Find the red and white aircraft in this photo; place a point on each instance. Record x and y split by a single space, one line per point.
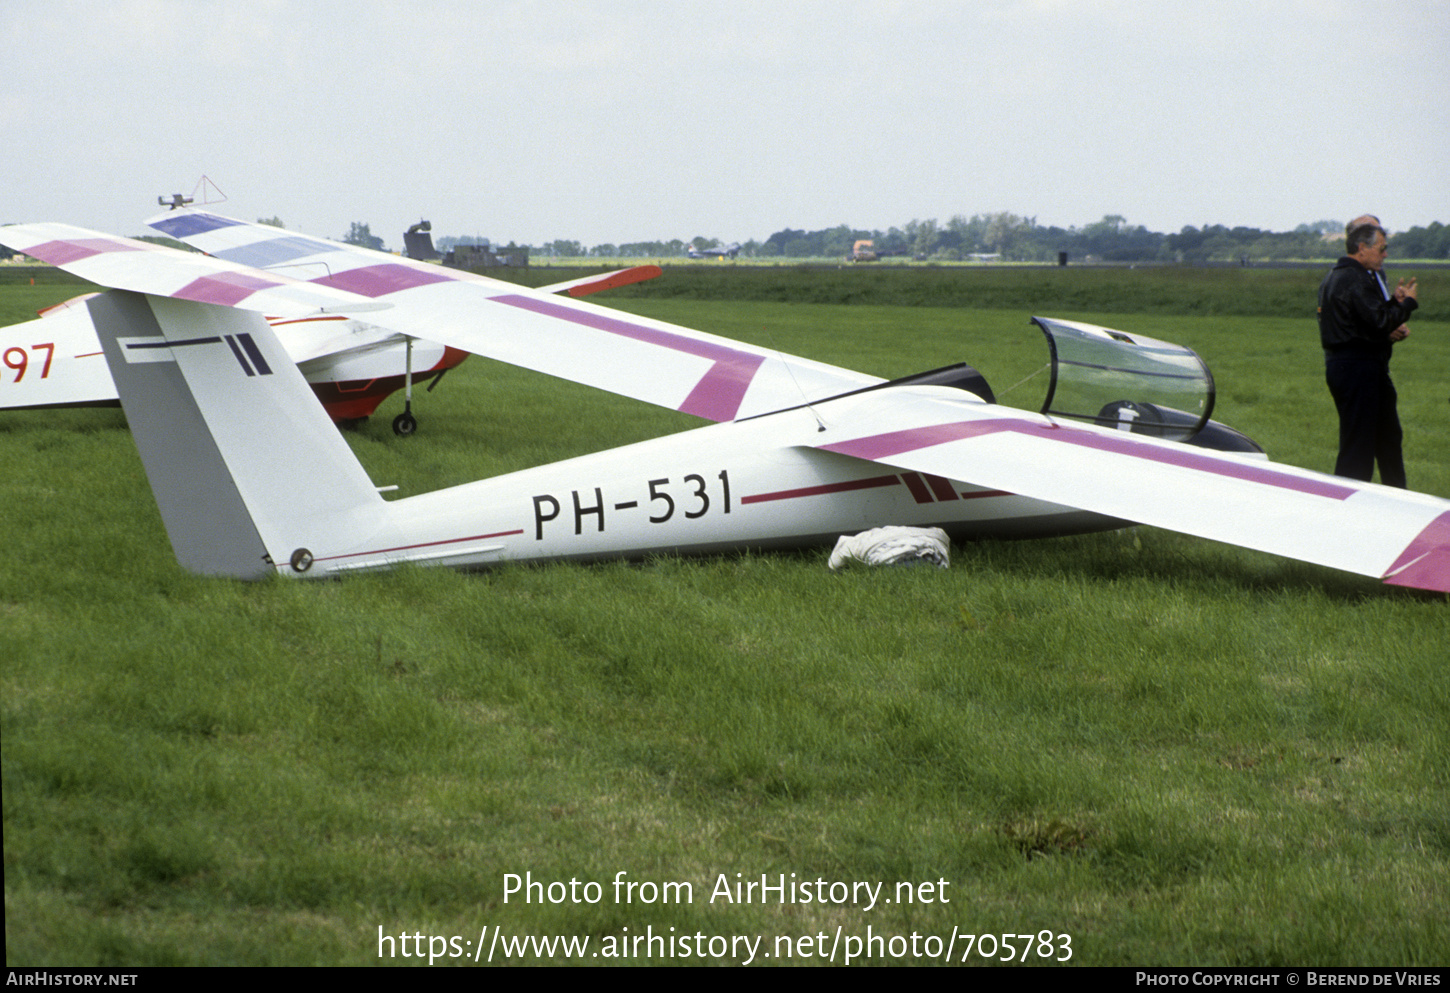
352 366
802 451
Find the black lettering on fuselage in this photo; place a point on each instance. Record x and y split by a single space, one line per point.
579 511
540 517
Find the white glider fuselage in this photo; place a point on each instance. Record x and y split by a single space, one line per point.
714 488
251 477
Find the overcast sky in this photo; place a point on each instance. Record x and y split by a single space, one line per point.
604 121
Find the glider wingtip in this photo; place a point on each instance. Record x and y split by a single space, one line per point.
1425 562
1430 573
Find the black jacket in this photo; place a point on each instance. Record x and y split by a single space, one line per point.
1354 314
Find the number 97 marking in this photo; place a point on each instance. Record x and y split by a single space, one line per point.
18 359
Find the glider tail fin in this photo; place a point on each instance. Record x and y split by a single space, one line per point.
249 473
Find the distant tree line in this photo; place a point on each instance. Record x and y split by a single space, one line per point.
1022 239
1013 238
1112 239
1008 236
1432 242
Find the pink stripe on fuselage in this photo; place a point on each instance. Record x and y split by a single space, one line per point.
823 489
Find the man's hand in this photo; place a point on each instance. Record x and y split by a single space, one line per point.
1400 333
1410 290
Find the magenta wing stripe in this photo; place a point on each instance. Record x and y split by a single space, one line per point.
718 394
62 252
224 288
374 281
1425 562
883 446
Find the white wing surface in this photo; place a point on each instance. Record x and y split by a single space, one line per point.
1397 535
692 371
128 264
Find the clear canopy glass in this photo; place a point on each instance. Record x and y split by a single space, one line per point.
1130 381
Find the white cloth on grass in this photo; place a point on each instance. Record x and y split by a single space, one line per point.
893 546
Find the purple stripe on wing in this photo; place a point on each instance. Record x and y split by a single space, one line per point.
274 251
718 394
185 225
225 288
882 446
380 280
60 253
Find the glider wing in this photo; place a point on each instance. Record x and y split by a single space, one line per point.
128 264
1392 534
699 373
586 285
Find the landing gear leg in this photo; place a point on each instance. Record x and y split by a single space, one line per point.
405 423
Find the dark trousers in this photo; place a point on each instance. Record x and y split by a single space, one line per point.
1369 423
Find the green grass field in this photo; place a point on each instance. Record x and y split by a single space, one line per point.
1165 290
1137 747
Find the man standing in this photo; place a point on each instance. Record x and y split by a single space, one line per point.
1359 322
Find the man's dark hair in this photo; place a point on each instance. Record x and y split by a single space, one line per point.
1362 237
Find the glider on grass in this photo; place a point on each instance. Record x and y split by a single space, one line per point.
252 479
352 366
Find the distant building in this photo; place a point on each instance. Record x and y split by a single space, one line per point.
486 257
419 242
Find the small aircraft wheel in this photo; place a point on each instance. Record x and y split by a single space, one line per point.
404 424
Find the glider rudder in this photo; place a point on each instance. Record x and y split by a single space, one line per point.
250 475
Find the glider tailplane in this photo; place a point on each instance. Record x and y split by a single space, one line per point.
249 473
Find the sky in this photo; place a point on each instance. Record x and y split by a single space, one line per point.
608 122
